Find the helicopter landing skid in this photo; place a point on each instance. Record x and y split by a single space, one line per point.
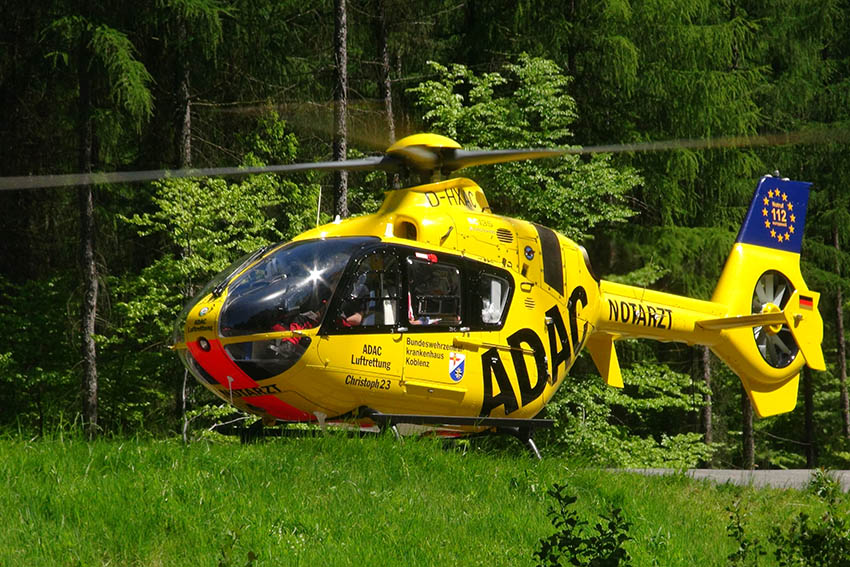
521 429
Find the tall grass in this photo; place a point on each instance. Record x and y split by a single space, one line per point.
335 500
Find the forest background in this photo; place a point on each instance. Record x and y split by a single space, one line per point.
104 86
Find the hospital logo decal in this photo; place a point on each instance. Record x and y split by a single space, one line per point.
778 215
457 363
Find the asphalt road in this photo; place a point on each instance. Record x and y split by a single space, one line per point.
798 478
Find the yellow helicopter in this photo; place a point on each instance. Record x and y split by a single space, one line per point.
435 311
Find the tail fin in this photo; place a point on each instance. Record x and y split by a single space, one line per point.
772 326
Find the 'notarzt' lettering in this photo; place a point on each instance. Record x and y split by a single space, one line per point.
639 314
258 391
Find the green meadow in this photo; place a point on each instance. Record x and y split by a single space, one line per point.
337 500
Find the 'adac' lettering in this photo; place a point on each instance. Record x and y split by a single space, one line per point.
579 295
372 349
559 342
528 393
492 365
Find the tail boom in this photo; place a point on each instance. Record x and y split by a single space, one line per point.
762 320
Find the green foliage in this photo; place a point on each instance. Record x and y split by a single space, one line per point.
748 551
38 381
227 559
824 485
201 226
824 541
527 106
641 426
575 543
128 78
804 541
205 18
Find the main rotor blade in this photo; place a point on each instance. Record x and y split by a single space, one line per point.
387 163
816 136
467 158
425 159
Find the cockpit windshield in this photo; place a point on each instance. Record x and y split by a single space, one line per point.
288 289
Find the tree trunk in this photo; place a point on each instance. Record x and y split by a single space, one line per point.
842 347
184 102
88 267
384 84
747 442
809 417
340 106
706 406
184 159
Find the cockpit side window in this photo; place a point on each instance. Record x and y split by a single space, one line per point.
434 292
493 298
370 297
490 298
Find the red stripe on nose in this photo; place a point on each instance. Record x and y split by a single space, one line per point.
220 366
278 409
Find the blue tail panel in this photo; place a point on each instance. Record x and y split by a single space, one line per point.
777 215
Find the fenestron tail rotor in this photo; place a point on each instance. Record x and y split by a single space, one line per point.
775 342
427 155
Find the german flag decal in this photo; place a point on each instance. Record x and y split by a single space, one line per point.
806 302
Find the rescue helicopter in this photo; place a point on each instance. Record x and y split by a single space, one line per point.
437 312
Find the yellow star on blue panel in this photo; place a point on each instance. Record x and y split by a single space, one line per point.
791 229
770 193
790 206
766 201
784 196
773 234
764 212
767 224
793 218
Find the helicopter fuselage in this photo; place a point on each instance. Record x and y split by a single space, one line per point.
434 306
509 307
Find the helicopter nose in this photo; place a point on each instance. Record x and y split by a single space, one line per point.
214 368
217 366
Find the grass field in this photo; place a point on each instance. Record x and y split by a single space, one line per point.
336 500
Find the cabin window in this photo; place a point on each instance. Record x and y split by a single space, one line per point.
434 292
370 298
492 298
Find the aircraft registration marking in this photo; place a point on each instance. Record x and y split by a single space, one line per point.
452 196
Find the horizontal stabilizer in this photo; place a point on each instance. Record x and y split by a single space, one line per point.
800 315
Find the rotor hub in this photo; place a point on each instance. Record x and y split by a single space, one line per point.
768 308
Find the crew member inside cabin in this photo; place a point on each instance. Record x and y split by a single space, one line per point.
371 297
